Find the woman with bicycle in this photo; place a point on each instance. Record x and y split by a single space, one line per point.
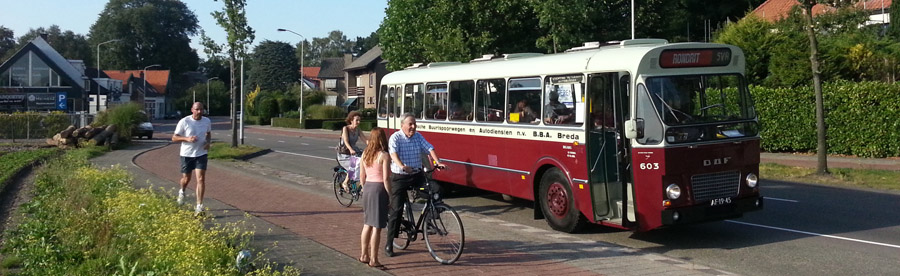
349 135
375 172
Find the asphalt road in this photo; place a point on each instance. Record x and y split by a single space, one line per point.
803 229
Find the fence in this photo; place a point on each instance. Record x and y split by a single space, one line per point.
19 127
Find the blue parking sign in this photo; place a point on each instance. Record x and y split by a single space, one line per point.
61 101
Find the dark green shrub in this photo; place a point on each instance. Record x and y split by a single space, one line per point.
291 114
862 118
286 122
367 113
324 112
251 120
125 117
333 124
286 104
267 108
367 125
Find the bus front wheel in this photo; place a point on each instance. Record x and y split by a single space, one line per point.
558 202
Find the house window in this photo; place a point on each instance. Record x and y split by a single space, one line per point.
359 80
371 80
330 83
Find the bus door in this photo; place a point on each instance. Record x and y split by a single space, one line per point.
607 165
389 107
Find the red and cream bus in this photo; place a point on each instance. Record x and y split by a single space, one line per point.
637 134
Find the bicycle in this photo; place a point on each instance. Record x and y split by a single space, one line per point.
345 197
438 223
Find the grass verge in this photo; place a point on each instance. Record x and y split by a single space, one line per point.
85 220
853 178
219 150
12 162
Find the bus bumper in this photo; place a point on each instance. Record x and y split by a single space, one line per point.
696 214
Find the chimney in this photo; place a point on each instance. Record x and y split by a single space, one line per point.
44 36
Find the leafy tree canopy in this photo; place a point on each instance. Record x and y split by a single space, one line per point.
7 42
274 66
151 32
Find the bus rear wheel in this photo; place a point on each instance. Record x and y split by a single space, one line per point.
558 202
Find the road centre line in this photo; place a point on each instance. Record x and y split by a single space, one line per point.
815 234
304 155
781 199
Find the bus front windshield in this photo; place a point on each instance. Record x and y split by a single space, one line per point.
699 99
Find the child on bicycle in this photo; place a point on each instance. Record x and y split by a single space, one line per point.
375 173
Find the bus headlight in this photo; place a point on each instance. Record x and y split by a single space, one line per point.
752 180
673 191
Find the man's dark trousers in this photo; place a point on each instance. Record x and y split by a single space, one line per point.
399 184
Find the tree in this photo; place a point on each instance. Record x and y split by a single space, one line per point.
233 18
753 35
894 28
7 42
364 44
822 148
274 66
151 32
69 44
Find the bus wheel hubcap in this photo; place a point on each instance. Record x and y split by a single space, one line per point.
557 199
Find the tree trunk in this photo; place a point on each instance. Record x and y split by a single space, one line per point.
822 148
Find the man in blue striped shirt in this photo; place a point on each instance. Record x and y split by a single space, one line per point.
406 148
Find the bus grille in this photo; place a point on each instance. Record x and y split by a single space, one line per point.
715 185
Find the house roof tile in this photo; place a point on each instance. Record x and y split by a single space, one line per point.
365 60
159 79
774 10
332 68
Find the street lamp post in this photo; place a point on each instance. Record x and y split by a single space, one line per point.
301 70
98 71
208 107
144 92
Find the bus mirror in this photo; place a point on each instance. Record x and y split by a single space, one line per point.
634 129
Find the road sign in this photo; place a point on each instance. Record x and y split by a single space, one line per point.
61 101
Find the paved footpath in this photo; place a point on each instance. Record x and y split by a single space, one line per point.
312 232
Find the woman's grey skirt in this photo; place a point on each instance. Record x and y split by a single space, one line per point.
375 202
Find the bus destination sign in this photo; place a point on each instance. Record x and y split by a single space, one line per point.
682 58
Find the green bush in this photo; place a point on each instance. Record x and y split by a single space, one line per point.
291 114
368 125
22 125
333 124
367 113
89 221
286 104
251 120
324 112
286 122
125 117
267 108
862 118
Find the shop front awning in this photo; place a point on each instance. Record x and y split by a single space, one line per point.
349 102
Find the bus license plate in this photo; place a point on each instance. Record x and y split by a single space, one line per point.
720 201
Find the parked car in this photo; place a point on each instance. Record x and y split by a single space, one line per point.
144 129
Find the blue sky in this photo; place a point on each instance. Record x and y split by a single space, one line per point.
310 18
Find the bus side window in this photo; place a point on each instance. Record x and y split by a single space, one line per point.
564 101
461 93
412 99
383 102
524 99
489 100
436 101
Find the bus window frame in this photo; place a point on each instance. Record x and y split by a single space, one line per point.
441 97
418 96
486 84
574 110
509 91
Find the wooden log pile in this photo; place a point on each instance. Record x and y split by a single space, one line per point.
75 137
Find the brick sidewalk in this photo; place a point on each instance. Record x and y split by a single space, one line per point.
304 208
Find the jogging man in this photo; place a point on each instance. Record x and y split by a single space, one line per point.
194 134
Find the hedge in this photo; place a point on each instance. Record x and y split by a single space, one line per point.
862 118
286 122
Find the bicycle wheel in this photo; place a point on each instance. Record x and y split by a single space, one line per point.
444 234
344 197
407 231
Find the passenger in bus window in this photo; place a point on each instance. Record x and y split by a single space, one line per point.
556 112
526 114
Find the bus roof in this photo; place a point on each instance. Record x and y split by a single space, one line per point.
624 56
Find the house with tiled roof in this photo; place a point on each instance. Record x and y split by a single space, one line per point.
774 10
150 89
310 77
363 77
38 78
